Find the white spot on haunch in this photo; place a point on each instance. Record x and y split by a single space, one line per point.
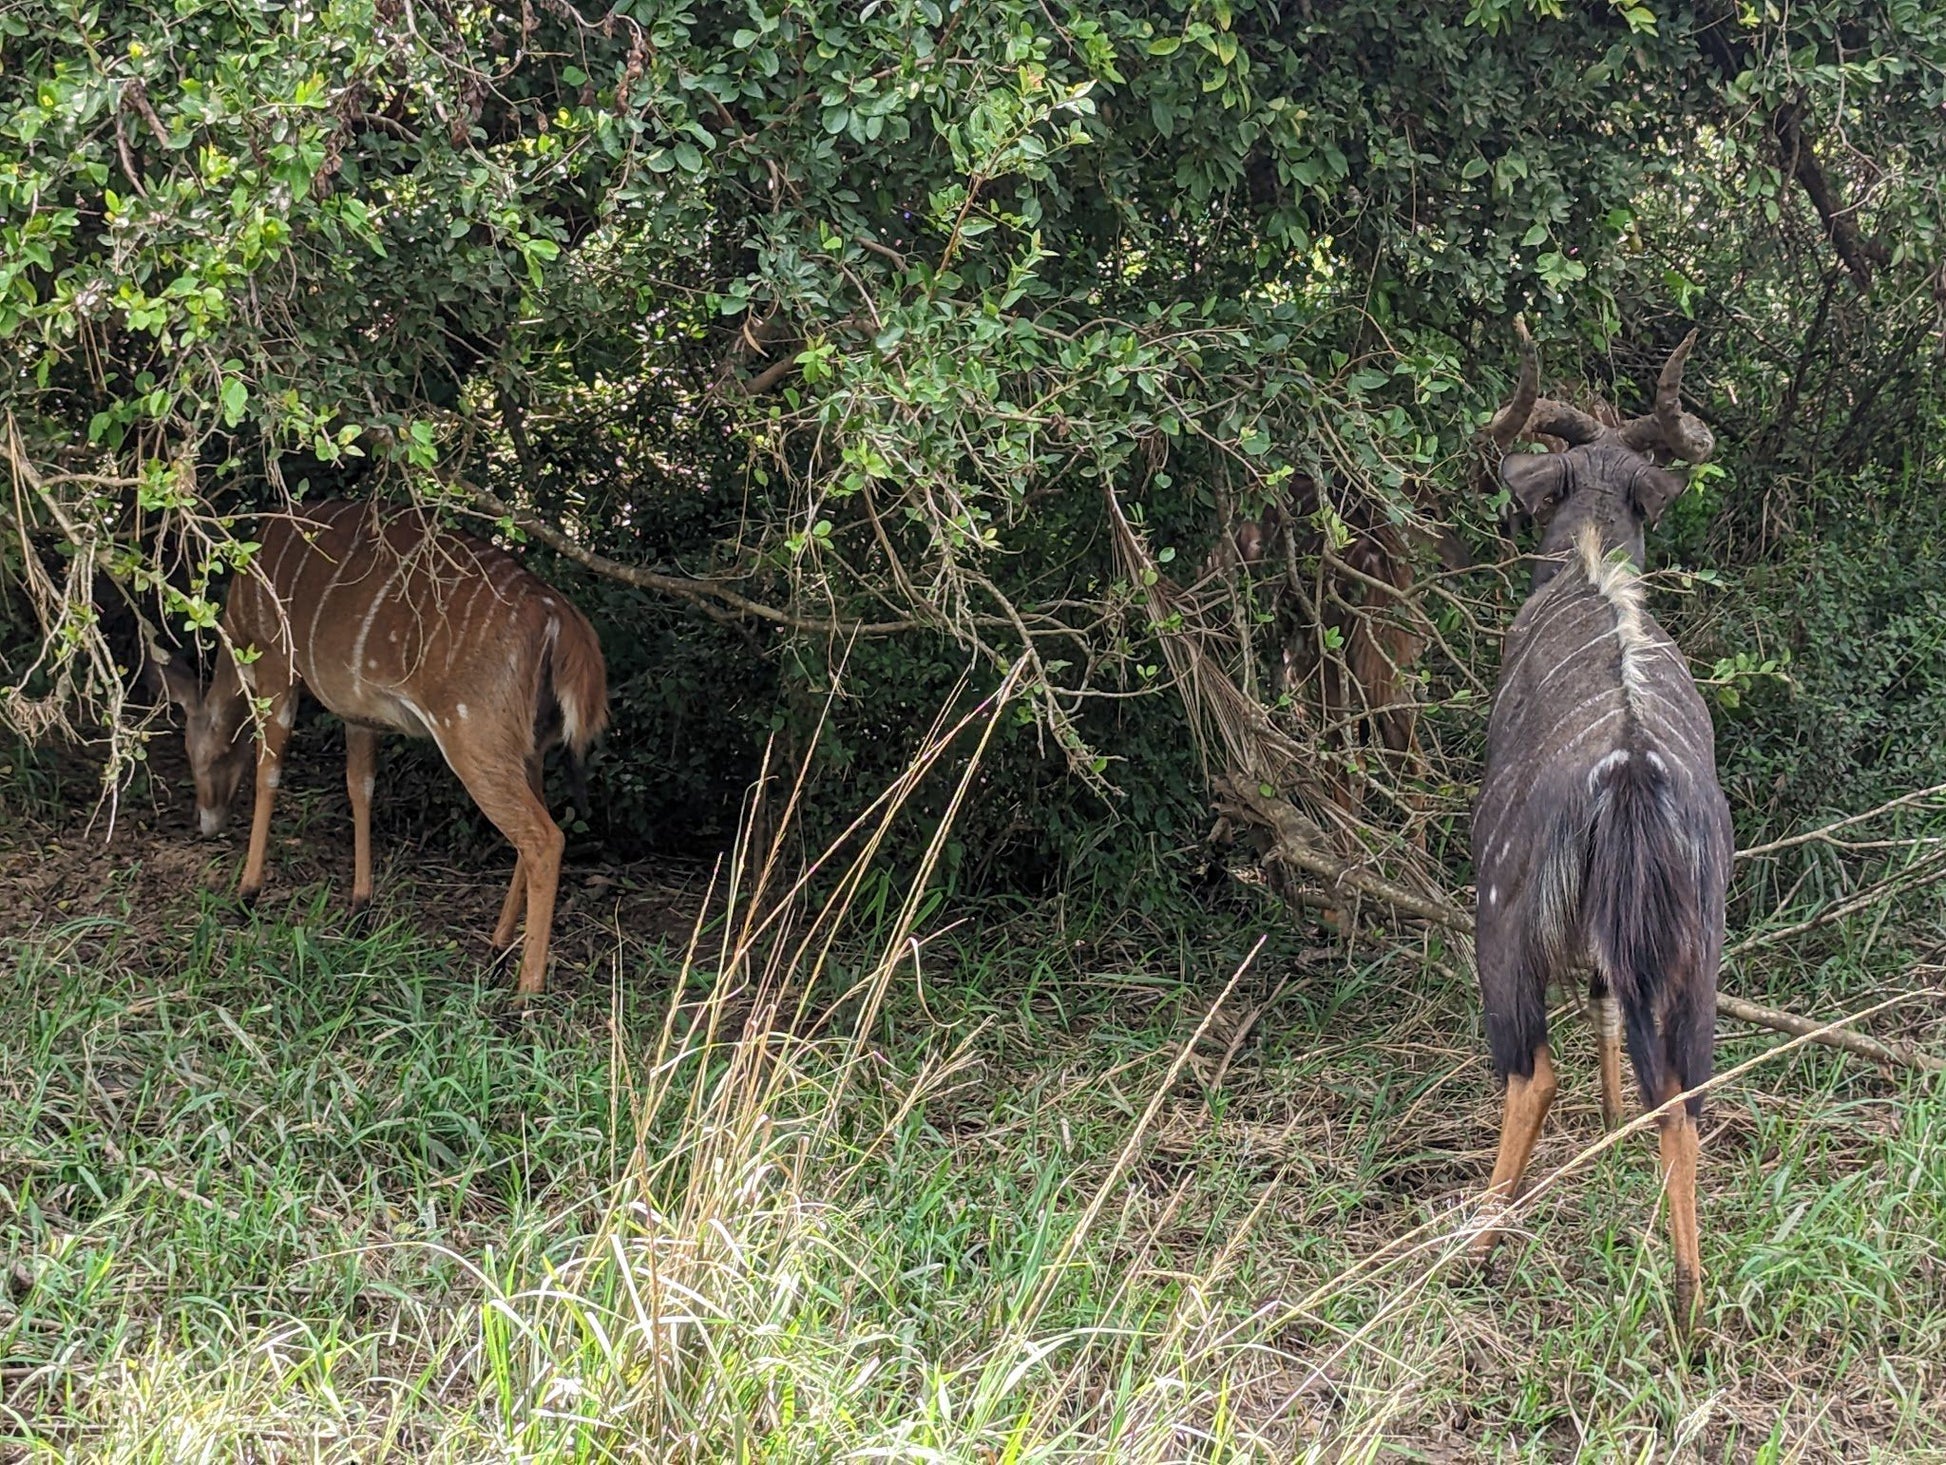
208 821
1493 896
286 713
273 777
462 712
1609 761
368 783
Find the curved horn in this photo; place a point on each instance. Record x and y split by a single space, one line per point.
1667 423
1511 420
1570 424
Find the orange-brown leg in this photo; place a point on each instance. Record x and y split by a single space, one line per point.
270 773
1608 1032
516 901
506 795
512 906
1520 1127
361 775
1679 1155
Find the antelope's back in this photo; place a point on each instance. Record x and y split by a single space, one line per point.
1589 680
392 620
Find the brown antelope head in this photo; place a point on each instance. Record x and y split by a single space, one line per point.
1611 478
217 732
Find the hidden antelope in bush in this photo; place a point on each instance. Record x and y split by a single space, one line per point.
1602 841
397 625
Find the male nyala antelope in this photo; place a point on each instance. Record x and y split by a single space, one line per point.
397 625
1602 841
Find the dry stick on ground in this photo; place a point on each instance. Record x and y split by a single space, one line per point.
1293 849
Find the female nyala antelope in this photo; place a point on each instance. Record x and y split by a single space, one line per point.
398 625
1602 841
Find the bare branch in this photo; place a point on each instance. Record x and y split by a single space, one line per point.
1859 254
712 597
1294 848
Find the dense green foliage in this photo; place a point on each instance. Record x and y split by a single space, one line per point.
883 312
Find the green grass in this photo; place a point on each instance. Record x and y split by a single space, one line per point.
860 1179
270 1192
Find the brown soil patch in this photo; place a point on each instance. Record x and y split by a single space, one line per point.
141 861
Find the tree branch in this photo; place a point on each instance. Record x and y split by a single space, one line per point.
772 374
1859 253
708 595
1291 847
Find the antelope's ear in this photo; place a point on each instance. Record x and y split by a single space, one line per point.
1535 479
173 680
1654 489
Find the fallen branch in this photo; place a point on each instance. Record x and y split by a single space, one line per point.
1902 1055
1293 849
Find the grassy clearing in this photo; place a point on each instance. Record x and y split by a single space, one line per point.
271 1190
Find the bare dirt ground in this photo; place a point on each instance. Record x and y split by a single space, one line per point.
142 861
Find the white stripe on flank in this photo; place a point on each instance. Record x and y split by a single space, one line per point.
371 615
309 668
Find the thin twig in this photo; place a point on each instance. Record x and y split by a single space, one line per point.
1824 832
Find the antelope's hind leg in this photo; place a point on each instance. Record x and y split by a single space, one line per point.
1527 1101
361 776
1513 989
1680 1147
505 928
518 811
1605 1012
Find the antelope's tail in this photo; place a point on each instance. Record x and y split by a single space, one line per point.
1651 921
575 678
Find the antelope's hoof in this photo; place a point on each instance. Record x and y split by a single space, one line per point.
1482 1254
247 896
358 920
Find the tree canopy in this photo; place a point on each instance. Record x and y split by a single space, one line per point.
873 344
